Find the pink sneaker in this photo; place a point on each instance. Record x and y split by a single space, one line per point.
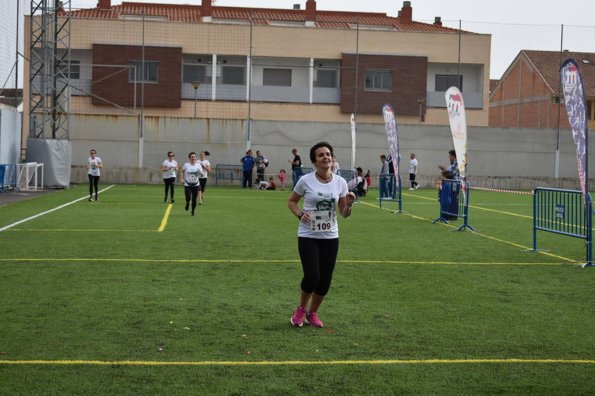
298 317
312 319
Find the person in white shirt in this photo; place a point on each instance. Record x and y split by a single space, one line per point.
94 166
413 172
190 173
325 194
169 167
336 166
206 168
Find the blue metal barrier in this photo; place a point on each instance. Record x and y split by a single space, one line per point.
563 212
299 172
347 174
454 202
228 172
389 189
8 177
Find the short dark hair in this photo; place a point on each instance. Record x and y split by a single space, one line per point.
190 155
453 153
316 147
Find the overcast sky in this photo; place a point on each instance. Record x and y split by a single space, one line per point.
514 24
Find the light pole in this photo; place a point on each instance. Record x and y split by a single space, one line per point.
195 85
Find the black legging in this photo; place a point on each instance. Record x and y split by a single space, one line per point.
93 183
169 183
191 192
318 263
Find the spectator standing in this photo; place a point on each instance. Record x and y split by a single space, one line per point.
261 164
336 166
247 166
282 175
296 166
413 172
94 165
384 177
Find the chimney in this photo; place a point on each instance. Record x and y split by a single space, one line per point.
206 10
296 6
437 21
406 13
104 4
310 12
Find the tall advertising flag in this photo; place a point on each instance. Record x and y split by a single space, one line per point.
392 133
572 86
458 126
352 141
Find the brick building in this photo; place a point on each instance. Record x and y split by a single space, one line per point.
527 94
305 59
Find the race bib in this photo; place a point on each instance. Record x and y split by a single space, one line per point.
321 220
192 179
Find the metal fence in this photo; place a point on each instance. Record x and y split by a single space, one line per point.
228 172
8 177
454 202
563 212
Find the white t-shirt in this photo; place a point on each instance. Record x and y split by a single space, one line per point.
321 202
94 169
204 163
171 167
191 174
413 166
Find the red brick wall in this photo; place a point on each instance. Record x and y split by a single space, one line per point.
528 101
409 74
112 83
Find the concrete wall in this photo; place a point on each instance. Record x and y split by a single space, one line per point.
10 135
498 157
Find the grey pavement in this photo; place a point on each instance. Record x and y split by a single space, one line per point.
8 197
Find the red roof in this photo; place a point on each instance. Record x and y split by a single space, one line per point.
547 65
193 14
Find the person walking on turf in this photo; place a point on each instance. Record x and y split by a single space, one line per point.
169 167
324 195
190 174
413 172
94 165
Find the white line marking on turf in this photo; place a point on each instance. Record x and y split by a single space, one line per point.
49 211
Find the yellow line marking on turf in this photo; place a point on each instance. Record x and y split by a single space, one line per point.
295 362
501 211
477 207
267 261
165 217
523 247
77 230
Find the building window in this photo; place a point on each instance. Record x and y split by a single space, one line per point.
276 77
445 81
233 75
151 71
379 80
73 72
326 79
194 73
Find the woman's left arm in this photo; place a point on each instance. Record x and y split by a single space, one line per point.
345 204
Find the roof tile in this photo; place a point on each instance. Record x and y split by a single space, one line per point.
324 19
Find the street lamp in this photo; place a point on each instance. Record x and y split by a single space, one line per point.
195 85
421 102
